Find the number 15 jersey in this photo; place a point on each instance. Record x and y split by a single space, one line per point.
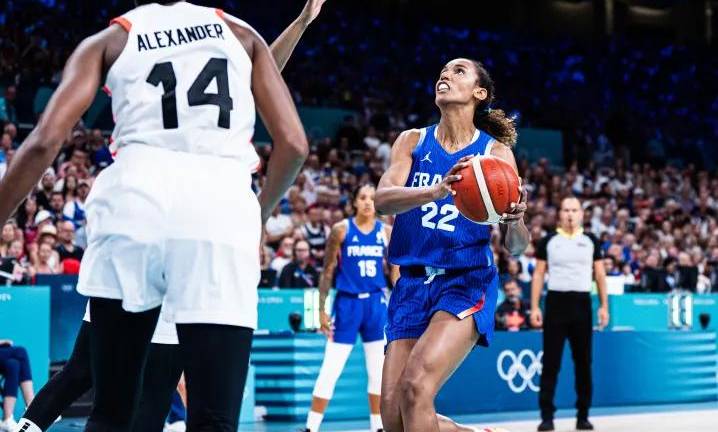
183 83
436 234
361 266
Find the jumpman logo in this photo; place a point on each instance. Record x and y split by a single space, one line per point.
427 158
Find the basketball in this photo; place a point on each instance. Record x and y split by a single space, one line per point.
486 190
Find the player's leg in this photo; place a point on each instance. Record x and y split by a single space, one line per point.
374 357
347 320
437 353
26 387
372 333
162 372
397 354
335 357
10 370
554 338
580 334
215 359
119 344
65 387
18 364
407 318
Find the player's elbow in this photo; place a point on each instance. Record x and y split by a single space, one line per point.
381 203
44 139
295 145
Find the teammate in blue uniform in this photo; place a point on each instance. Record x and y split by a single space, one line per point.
358 245
443 304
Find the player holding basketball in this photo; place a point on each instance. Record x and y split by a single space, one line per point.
443 304
163 367
166 220
356 249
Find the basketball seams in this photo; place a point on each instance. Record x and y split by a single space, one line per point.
493 217
468 192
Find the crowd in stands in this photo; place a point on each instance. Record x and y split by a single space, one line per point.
650 99
623 107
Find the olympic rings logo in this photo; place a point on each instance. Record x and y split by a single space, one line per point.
526 366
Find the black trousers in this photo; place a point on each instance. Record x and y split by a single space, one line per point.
215 359
161 375
567 315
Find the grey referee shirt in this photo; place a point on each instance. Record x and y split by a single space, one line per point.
569 259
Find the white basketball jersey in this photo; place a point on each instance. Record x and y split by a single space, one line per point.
183 83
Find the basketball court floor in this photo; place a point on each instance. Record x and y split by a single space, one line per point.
655 418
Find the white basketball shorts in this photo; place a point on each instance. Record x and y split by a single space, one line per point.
175 227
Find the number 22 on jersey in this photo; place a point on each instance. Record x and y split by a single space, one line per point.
215 69
448 211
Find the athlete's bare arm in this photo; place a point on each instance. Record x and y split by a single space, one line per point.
80 80
279 114
516 235
392 197
284 45
537 282
331 258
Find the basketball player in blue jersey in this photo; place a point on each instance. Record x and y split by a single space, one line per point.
443 303
357 245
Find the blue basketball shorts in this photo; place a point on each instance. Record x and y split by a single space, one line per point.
363 314
465 293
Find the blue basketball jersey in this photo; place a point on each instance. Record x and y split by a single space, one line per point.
436 234
361 268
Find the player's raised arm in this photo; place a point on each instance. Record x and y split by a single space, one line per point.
80 81
284 45
277 110
516 235
393 196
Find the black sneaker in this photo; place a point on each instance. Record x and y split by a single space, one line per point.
583 425
546 425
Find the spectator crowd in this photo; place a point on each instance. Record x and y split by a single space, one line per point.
657 222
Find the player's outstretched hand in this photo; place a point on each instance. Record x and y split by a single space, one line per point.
325 324
311 11
517 211
443 189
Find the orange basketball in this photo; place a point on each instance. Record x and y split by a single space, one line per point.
486 190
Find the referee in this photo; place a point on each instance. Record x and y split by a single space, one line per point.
572 258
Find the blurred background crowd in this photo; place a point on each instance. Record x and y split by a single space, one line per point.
638 118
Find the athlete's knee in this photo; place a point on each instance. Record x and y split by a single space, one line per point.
415 386
389 405
335 356
374 353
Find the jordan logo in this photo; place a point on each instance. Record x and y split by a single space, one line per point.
427 158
